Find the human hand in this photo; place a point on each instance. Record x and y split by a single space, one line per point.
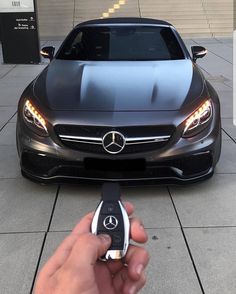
75 269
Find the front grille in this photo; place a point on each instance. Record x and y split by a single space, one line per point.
138 138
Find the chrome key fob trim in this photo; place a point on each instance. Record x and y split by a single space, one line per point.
111 218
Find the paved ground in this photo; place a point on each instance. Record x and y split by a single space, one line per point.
192 230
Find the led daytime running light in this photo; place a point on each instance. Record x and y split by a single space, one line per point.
197 114
35 114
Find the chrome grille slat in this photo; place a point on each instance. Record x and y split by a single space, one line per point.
146 140
129 141
80 139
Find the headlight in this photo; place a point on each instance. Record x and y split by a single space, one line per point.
34 119
198 120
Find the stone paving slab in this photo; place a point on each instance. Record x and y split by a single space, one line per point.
216 65
53 240
229 127
205 41
225 136
28 71
5 69
227 41
226 103
213 250
11 90
153 206
227 162
19 258
5 114
9 167
13 119
219 84
25 206
170 269
229 83
73 203
8 135
207 204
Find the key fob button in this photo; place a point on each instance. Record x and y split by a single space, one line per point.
110 208
117 239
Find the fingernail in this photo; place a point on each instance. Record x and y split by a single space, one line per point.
105 237
132 290
139 269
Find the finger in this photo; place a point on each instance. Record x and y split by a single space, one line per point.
129 207
114 266
85 252
137 259
84 226
63 251
119 279
132 287
60 255
137 231
124 284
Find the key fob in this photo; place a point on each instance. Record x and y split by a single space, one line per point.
111 218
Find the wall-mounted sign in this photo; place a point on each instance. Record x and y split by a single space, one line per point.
19 31
16 6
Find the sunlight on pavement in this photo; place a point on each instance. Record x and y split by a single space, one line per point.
113 9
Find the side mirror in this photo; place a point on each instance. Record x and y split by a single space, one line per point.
48 52
198 52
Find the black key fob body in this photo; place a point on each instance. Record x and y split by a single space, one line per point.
111 218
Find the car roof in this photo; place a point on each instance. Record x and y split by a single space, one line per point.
124 20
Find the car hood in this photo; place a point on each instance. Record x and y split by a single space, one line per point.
118 85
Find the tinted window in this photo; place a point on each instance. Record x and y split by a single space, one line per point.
121 43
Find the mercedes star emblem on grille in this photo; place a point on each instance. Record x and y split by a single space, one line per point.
110 222
113 142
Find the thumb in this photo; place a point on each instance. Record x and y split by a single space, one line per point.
87 249
103 246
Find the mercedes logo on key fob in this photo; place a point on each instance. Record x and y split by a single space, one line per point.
110 222
111 218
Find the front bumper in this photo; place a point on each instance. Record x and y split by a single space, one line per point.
45 169
185 161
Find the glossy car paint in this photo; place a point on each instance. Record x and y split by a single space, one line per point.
117 95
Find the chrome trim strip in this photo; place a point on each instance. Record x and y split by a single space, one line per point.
80 141
129 141
80 138
143 140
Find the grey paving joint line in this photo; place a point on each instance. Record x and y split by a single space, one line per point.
44 239
186 243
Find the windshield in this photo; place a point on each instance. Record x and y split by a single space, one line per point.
105 43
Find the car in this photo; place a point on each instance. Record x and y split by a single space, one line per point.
121 100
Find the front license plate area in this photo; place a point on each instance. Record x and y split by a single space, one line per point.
114 165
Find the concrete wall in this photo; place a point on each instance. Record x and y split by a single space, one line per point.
191 17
